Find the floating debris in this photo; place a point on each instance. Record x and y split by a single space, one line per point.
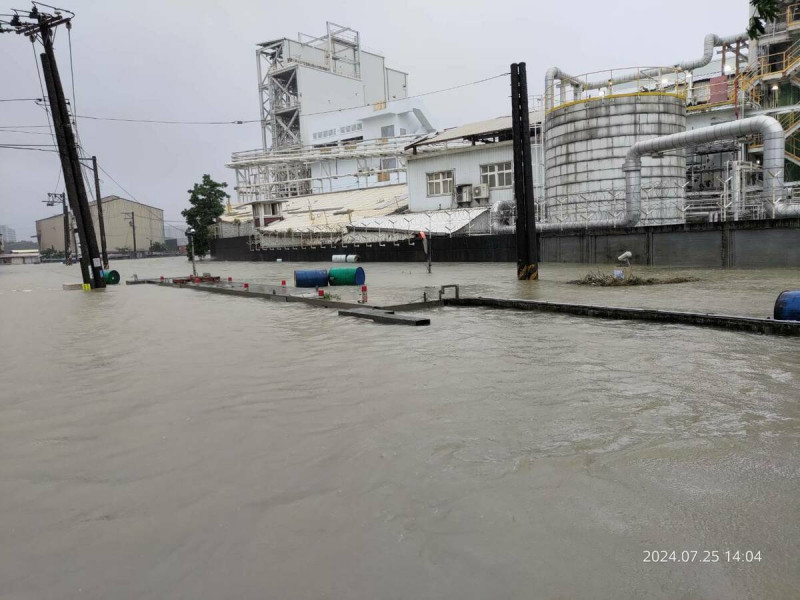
601 279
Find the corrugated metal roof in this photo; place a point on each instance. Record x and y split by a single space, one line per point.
335 210
434 221
475 129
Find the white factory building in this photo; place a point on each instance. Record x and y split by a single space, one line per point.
469 166
334 116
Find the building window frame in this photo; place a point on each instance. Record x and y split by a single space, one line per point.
499 175
440 183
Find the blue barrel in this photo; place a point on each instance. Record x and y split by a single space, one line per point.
787 306
311 278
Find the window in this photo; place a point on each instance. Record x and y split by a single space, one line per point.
497 175
403 131
440 184
388 163
387 131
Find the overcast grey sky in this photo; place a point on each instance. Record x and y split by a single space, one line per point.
194 60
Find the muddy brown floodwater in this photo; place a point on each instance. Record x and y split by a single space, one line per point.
163 444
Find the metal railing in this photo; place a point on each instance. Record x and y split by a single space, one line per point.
626 81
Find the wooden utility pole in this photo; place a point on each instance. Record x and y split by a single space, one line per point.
527 244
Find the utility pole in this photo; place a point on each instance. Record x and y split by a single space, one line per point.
133 224
41 26
100 221
527 244
52 198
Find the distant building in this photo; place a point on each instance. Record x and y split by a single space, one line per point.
9 235
21 257
149 222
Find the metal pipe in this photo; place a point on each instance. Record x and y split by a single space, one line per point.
769 128
710 42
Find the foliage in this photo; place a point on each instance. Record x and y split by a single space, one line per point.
52 253
157 247
207 200
766 10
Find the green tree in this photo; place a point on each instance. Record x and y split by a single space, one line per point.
157 247
766 10
207 200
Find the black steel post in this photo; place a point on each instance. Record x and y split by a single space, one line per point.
76 191
527 246
100 221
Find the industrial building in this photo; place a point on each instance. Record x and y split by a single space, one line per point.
20 257
334 116
469 166
121 218
707 141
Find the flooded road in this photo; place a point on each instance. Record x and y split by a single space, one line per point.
160 443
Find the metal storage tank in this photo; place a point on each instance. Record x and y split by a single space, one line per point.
585 146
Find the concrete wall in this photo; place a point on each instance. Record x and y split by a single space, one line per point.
744 244
119 233
466 163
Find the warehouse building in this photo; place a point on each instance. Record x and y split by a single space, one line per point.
121 217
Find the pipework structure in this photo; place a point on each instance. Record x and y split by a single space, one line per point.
333 116
591 121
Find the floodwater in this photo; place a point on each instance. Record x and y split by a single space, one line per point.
163 444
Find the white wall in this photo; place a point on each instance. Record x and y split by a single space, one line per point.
373 77
397 84
466 165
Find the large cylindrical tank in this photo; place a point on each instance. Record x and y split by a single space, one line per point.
585 147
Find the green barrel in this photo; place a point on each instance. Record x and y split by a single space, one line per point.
346 276
111 277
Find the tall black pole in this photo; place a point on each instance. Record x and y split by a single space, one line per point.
91 264
527 245
101 223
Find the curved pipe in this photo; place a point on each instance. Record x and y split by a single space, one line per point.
769 128
710 42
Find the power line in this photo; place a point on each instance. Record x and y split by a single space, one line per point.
20 100
324 112
23 131
41 88
23 148
72 76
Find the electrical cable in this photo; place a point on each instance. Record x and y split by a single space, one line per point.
41 87
324 112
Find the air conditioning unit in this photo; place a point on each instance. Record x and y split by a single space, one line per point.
481 191
463 194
